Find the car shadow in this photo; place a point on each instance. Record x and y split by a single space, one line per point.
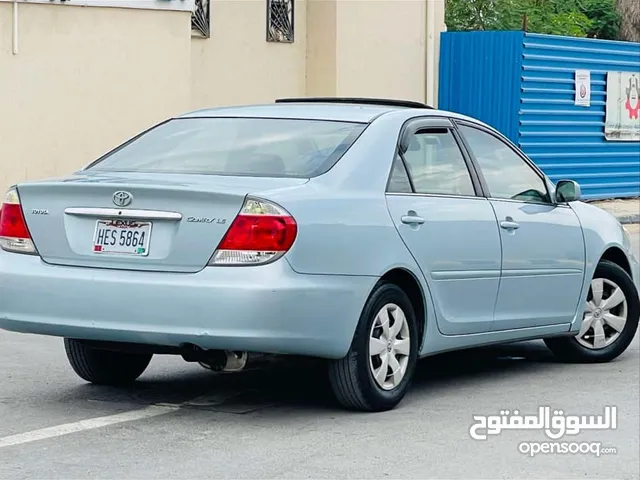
302 383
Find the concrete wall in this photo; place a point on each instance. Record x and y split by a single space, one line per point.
381 49
321 66
440 26
237 65
86 79
79 85
370 48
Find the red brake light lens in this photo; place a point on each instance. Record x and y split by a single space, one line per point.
261 233
14 234
12 224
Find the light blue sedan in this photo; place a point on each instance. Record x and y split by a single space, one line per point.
366 232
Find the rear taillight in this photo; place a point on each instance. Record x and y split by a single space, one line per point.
261 233
14 234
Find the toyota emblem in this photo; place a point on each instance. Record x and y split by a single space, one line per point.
122 199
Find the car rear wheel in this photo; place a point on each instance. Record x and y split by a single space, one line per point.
105 367
609 322
376 373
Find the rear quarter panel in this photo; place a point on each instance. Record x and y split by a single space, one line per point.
347 236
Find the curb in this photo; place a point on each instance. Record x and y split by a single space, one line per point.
629 219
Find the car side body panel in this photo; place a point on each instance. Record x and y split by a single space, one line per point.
362 240
458 251
542 265
601 231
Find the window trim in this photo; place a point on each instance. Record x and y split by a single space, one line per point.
411 127
498 136
399 156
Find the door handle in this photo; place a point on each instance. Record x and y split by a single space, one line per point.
509 225
412 220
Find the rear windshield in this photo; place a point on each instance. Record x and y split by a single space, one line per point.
236 146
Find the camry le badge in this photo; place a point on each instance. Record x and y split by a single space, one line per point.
219 221
122 199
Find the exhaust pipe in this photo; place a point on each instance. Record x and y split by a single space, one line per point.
226 361
236 361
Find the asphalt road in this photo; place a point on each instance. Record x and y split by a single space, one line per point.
181 421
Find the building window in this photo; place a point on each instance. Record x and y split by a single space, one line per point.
200 20
280 18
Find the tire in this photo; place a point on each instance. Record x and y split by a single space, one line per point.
573 349
105 367
352 379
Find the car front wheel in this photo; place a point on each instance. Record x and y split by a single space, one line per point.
376 373
610 319
105 367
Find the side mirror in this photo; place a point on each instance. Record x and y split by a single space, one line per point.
568 191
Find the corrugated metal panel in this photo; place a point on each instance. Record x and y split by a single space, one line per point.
480 77
565 140
523 85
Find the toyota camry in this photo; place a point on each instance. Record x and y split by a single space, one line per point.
365 232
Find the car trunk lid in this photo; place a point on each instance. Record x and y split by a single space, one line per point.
135 221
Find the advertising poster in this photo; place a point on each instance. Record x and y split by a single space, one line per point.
622 121
583 88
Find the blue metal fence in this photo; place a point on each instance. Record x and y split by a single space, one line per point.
524 85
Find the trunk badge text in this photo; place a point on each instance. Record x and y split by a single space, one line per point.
122 199
39 211
219 221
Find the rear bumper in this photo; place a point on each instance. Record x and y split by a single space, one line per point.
268 309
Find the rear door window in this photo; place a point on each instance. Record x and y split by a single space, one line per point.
399 179
436 164
236 146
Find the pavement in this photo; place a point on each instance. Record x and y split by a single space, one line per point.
183 422
626 210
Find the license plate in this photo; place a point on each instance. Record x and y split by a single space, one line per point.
122 237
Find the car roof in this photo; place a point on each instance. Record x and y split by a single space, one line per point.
338 111
343 112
